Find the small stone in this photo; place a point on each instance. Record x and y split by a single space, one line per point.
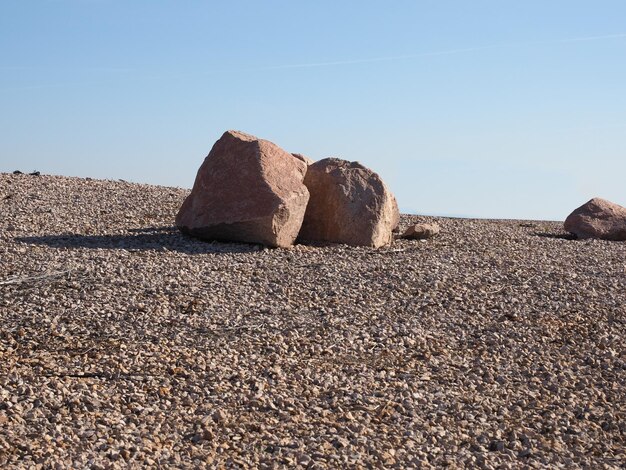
220 416
421 231
496 446
524 453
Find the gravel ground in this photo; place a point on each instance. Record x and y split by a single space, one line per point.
498 344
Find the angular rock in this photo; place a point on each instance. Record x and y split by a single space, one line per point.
598 218
246 190
349 204
421 231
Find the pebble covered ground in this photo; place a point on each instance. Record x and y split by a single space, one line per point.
124 344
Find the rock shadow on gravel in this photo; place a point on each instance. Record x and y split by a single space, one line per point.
164 238
562 236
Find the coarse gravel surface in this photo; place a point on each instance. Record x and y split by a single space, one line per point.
124 344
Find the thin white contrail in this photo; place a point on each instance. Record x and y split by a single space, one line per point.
338 62
594 38
443 52
377 59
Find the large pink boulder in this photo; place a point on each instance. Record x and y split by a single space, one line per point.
247 190
349 204
598 218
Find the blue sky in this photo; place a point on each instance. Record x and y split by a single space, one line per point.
498 109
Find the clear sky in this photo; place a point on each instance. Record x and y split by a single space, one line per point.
485 108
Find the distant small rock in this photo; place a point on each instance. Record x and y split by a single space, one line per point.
598 218
421 231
